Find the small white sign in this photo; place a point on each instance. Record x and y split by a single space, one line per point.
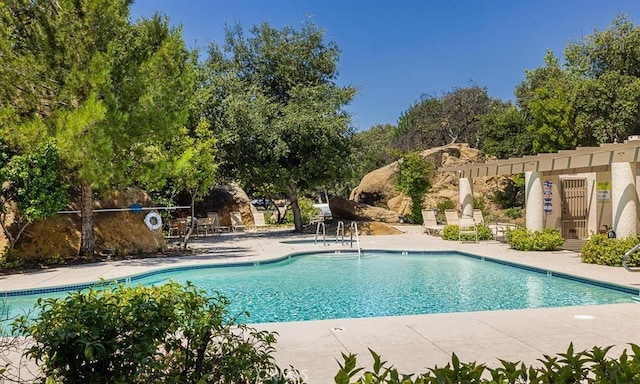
604 196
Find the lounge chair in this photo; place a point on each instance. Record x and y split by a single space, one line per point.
236 221
451 215
430 223
258 219
478 217
215 226
467 226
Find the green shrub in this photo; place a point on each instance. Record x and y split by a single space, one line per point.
514 213
523 239
307 211
170 333
593 366
599 249
452 232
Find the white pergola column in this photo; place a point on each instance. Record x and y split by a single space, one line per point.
466 196
623 199
533 201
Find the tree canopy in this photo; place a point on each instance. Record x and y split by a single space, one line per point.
110 93
277 111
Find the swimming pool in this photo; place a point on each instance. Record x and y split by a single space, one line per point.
330 285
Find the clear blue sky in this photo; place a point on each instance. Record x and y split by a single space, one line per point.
395 51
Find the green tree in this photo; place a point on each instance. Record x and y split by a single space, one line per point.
371 150
504 132
279 114
547 97
420 126
433 121
413 180
195 171
110 93
33 183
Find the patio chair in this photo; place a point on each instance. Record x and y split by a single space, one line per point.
215 226
430 223
236 221
178 227
451 215
467 226
478 217
258 219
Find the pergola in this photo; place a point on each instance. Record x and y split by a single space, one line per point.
609 165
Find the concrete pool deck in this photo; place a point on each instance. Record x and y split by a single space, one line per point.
411 343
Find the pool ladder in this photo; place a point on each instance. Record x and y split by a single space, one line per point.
353 229
626 256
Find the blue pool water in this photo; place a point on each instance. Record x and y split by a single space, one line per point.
327 285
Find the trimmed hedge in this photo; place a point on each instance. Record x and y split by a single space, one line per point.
523 239
600 249
452 232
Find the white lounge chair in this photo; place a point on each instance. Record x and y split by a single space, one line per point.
451 215
236 221
258 219
467 226
478 217
430 223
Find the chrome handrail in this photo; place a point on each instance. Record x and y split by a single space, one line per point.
626 256
324 233
354 229
339 231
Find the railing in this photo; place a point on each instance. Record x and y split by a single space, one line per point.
340 231
354 229
626 256
324 233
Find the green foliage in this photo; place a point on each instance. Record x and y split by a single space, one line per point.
600 249
307 211
413 180
435 121
33 182
523 239
512 195
504 132
588 366
514 213
452 232
111 93
170 333
278 111
371 151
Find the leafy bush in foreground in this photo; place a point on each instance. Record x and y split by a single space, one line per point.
452 232
170 333
524 240
571 367
600 249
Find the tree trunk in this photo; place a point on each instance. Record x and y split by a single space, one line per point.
87 238
297 217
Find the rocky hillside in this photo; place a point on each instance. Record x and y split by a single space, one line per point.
377 189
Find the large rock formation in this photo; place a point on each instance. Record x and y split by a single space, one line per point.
226 199
121 232
350 210
377 187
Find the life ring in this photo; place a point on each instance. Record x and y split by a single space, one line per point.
153 221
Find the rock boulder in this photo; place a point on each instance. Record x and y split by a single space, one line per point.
350 210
